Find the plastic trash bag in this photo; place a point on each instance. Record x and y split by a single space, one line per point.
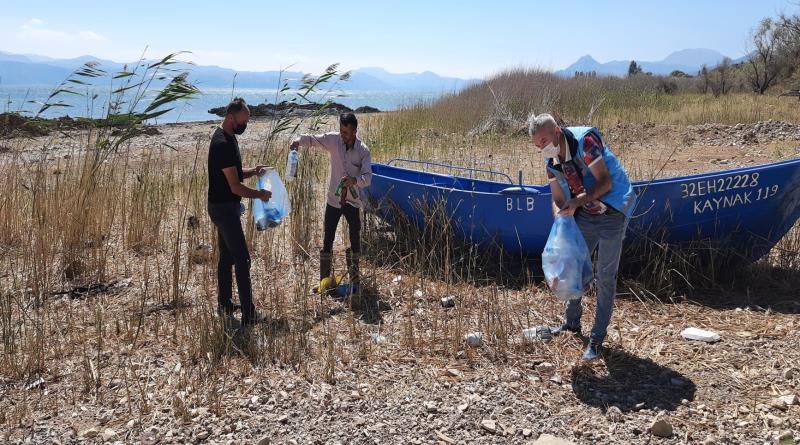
566 261
270 214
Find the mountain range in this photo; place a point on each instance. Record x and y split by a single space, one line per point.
32 69
690 61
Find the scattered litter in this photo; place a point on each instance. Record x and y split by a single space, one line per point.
35 385
700 335
474 339
449 301
377 338
543 333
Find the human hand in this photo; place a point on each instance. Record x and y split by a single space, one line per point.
570 207
348 181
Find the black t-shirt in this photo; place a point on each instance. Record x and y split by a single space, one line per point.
223 153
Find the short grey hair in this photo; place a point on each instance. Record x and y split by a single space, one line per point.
537 122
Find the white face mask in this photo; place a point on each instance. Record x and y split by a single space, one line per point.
550 151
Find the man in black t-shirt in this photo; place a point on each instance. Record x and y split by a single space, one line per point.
225 192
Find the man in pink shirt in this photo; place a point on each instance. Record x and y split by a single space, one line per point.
351 171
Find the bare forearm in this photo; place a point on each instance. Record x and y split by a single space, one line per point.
244 191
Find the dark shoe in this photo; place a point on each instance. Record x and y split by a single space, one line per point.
256 318
566 328
593 350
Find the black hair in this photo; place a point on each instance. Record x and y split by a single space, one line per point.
236 105
348 119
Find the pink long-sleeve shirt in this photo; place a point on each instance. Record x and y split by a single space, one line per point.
355 162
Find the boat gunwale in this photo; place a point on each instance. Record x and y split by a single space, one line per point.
541 188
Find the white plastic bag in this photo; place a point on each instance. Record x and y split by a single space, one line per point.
566 262
271 214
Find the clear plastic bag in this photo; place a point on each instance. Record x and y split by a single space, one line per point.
267 215
566 261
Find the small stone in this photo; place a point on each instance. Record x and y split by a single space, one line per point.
452 372
614 414
773 420
508 411
545 367
661 427
489 425
709 441
202 435
109 434
284 419
788 373
547 439
526 432
264 441
786 438
779 404
90 433
132 423
431 407
359 421
789 400
463 407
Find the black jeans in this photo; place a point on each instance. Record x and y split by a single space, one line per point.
232 253
332 217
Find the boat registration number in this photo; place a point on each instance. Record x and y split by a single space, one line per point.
746 188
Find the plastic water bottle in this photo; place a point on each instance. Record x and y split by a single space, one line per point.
291 165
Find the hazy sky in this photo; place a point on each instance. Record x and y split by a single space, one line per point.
459 38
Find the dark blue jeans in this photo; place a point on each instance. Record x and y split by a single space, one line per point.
232 254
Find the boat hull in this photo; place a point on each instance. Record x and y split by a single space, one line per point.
746 210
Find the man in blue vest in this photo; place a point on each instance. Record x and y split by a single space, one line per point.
587 182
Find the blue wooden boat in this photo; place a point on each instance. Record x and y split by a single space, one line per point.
745 211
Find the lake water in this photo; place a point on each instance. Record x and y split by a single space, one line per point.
19 99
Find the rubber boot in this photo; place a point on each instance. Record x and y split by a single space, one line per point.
353 270
326 281
324 265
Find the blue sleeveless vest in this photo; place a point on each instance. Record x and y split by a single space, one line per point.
621 196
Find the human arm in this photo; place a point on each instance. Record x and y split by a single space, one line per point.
237 188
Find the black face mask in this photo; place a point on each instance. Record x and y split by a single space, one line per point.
240 128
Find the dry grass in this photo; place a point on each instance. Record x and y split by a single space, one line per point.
104 297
